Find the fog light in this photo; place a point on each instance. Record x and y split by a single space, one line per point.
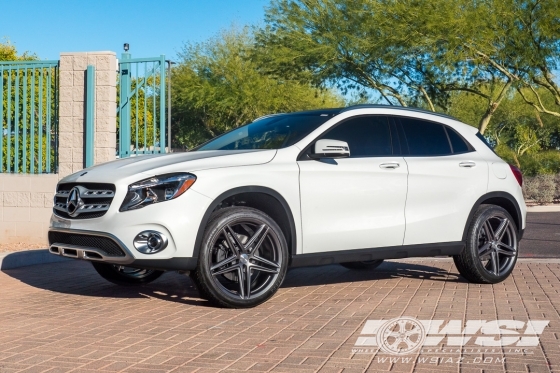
150 242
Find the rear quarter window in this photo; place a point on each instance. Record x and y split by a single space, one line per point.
425 138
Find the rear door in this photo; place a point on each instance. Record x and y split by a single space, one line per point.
356 202
446 177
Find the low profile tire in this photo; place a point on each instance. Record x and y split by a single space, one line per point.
126 276
243 258
366 264
491 249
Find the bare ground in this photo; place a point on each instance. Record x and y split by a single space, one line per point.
20 246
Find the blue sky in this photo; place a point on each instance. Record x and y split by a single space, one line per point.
48 27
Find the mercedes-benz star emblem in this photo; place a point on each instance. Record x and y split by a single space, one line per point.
74 202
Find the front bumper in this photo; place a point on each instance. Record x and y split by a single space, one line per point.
110 238
96 251
96 246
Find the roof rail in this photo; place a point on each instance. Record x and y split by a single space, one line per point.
403 108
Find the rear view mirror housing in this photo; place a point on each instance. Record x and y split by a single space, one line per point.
330 149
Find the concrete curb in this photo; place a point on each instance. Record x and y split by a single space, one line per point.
28 258
554 208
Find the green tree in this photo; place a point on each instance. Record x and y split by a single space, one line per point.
218 87
418 52
519 133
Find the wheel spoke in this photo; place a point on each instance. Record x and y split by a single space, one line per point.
226 270
489 230
506 252
484 249
232 239
264 269
505 249
266 261
223 262
255 236
240 276
501 230
248 281
494 261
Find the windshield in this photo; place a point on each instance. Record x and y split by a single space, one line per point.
275 132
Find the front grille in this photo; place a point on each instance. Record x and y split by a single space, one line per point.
105 244
96 199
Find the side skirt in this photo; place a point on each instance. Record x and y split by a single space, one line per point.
392 252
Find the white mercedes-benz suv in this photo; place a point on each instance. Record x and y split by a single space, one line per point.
352 186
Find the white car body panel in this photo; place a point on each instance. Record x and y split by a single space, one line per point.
352 203
135 168
441 195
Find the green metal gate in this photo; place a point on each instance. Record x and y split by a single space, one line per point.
141 108
29 116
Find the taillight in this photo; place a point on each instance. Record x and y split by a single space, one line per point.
517 173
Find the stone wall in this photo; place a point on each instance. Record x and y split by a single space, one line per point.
72 113
26 205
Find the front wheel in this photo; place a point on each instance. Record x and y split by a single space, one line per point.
491 249
243 258
126 276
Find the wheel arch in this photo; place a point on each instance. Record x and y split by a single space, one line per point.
502 199
264 199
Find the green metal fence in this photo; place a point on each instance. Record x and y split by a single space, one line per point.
141 109
29 116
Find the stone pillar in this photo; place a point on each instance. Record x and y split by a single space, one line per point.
73 67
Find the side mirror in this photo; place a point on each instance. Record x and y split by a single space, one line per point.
330 149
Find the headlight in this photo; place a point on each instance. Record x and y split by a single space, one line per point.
156 189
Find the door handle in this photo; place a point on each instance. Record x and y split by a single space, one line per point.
390 165
468 164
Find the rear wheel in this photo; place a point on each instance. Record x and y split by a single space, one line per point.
366 264
491 249
243 258
122 275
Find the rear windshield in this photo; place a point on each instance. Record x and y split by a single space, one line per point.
275 132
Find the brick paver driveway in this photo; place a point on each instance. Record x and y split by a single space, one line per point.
64 317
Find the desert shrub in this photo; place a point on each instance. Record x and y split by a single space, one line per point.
540 188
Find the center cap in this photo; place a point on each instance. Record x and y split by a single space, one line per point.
244 258
74 202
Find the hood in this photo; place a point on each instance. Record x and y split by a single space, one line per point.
156 164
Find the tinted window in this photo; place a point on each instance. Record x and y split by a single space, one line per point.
275 132
366 136
457 142
425 138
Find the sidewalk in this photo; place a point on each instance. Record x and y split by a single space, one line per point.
64 317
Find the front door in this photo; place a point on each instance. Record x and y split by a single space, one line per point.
356 202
